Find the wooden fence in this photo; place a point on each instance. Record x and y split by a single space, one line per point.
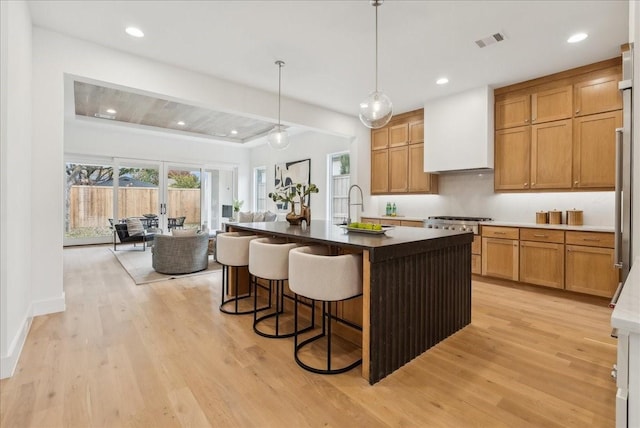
92 206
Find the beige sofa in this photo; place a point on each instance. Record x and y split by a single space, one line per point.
180 254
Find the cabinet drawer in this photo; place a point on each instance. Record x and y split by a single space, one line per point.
370 220
500 232
591 239
391 222
411 223
542 235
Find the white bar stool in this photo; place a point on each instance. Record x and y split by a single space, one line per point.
232 250
269 259
315 274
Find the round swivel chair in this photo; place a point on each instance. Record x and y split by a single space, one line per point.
232 250
317 275
269 260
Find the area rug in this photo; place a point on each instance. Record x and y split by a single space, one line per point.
138 265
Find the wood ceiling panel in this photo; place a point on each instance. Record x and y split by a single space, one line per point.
94 101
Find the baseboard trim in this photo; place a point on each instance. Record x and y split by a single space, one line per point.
49 306
9 362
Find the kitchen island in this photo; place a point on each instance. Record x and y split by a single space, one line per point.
416 286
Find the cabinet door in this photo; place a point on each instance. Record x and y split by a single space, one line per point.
398 158
512 112
379 171
398 135
416 132
419 181
552 104
551 154
597 95
379 138
512 155
590 270
594 153
542 263
500 258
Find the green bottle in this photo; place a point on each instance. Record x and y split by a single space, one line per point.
393 209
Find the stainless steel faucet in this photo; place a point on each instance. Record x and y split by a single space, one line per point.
349 204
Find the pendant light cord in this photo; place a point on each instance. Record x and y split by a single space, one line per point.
376 5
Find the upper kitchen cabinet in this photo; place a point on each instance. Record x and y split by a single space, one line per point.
397 156
567 121
597 95
512 111
552 104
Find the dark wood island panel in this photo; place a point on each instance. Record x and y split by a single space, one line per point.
416 286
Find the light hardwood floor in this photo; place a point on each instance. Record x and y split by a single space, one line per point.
162 354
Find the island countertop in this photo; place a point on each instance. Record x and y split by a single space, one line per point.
397 241
416 286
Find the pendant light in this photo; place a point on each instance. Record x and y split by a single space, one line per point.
278 137
376 110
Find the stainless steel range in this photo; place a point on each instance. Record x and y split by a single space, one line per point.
455 223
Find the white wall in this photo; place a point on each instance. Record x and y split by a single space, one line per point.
309 145
15 182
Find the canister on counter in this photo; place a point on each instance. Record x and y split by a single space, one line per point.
555 217
542 217
574 217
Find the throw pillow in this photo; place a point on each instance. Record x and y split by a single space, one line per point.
184 232
258 217
245 217
269 216
134 226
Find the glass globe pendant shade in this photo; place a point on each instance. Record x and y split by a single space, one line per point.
278 138
376 110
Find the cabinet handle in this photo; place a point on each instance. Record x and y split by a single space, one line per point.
500 233
577 111
533 184
540 236
575 183
591 239
526 120
525 184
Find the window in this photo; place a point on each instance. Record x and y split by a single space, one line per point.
260 188
339 182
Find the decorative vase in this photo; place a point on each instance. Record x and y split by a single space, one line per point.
293 218
305 212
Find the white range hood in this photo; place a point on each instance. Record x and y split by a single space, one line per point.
458 132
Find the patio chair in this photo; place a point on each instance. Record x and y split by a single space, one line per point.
123 235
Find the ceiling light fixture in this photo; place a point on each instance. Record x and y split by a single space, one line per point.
234 132
134 32
578 37
376 110
278 137
181 123
111 111
442 81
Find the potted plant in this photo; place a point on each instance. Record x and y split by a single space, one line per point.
237 204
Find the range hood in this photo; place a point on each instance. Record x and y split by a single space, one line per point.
458 132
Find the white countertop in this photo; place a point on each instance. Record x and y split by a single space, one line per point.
549 226
626 315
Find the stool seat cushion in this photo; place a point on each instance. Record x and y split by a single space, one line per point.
232 248
315 274
269 258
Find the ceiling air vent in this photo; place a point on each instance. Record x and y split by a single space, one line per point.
486 41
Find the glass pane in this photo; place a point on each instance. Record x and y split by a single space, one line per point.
183 198
138 194
88 200
340 181
260 189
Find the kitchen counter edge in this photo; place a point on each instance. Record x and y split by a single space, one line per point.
548 226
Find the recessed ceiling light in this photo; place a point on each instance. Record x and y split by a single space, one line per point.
111 111
234 132
181 123
134 32
442 81
578 37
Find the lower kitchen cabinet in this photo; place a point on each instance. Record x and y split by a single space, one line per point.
590 270
500 258
476 255
542 263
